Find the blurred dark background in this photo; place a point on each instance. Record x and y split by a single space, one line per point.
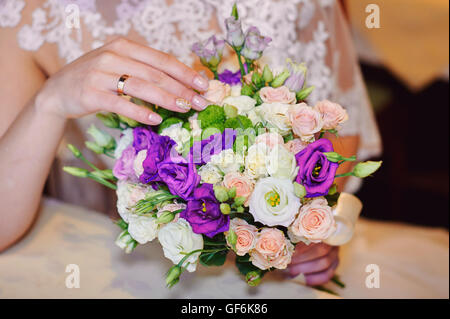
413 183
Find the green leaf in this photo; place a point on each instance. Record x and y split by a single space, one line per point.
213 259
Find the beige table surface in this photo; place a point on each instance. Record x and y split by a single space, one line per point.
413 263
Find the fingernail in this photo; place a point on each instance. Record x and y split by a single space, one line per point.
155 118
183 104
201 83
199 102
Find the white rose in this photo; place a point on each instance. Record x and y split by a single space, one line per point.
227 161
128 194
142 228
210 174
125 140
243 103
275 115
138 166
273 202
255 162
179 134
177 239
281 163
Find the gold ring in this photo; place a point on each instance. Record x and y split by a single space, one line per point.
121 84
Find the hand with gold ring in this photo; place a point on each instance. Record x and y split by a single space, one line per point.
96 81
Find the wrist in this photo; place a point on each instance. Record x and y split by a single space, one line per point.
48 104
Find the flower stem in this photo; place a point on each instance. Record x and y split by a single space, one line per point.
344 175
337 281
241 66
102 181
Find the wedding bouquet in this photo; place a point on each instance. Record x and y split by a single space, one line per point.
252 174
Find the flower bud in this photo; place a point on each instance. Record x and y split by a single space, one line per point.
304 93
209 52
76 171
232 192
365 169
333 156
280 78
267 74
230 111
122 224
165 217
239 201
173 275
299 190
254 44
102 138
126 242
221 193
231 238
104 174
253 278
110 120
296 80
247 90
225 208
94 147
240 209
128 121
75 151
235 35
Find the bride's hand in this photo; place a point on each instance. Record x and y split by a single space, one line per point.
318 262
89 84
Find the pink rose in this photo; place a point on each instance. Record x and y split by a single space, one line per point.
217 91
245 235
332 114
315 221
295 146
270 139
272 249
281 94
305 120
244 186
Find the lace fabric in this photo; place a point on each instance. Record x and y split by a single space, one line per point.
310 31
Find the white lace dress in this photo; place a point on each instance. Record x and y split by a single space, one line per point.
311 31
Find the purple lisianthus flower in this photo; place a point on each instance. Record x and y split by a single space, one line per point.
210 51
296 80
203 212
255 44
123 167
316 173
235 35
230 78
201 151
180 175
158 149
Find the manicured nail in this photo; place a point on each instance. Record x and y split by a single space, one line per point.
183 104
201 83
155 118
199 102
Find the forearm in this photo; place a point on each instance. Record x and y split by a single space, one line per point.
27 150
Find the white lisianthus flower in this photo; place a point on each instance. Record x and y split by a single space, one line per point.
177 133
125 140
178 239
195 126
236 90
255 162
273 202
275 115
128 194
227 161
281 163
242 103
142 228
254 117
210 174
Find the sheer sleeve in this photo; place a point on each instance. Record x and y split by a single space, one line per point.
325 44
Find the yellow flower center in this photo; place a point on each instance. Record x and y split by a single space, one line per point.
273 198
204 208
